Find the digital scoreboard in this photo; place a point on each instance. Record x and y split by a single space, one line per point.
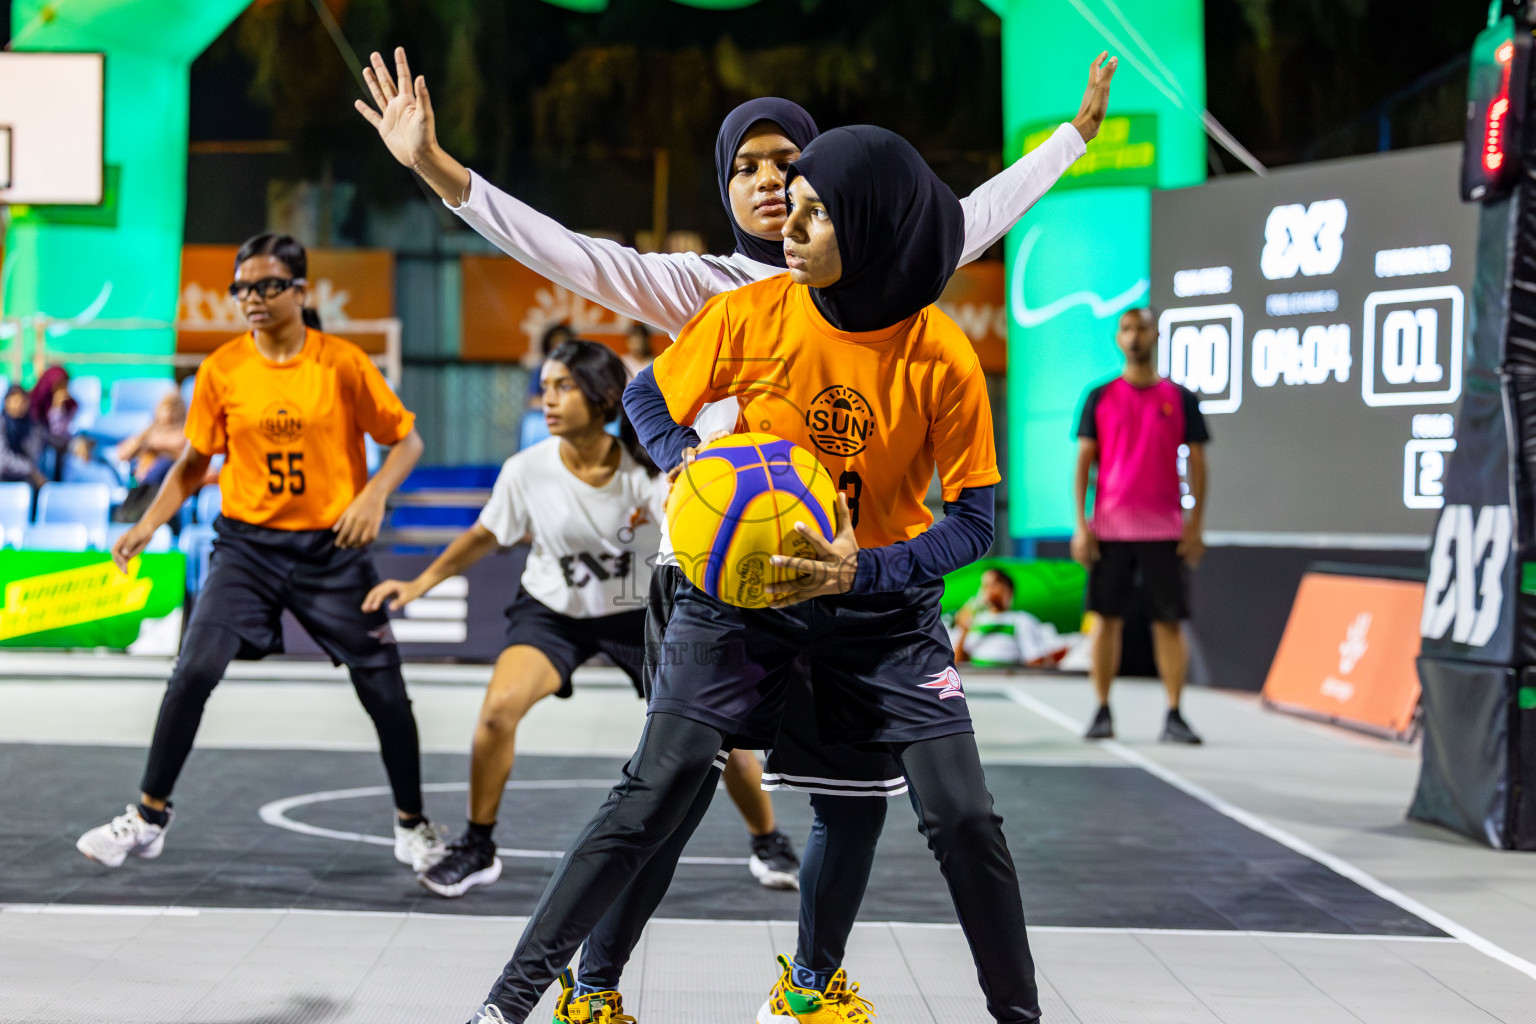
1320 314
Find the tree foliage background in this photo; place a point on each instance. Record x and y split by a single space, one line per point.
566 109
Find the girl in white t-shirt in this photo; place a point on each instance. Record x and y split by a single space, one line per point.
592 505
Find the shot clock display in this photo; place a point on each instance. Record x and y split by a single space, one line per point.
1320 314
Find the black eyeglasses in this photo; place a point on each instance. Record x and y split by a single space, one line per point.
267 287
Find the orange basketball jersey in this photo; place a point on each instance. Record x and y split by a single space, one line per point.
879 408
292 432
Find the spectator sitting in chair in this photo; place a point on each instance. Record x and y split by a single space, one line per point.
53 410
988 631
153 449
20 441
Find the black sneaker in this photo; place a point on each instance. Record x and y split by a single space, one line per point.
471 861
773 862
1103 727
1176 730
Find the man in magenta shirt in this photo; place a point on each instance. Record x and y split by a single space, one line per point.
1134 427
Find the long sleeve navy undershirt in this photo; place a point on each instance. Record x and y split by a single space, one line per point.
961 537
664 438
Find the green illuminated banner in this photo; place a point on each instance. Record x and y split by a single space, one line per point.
80 599
119 261
1083 254
1123 153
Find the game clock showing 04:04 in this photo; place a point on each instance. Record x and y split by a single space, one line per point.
1320 315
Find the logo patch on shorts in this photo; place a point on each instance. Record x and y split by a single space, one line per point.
947 683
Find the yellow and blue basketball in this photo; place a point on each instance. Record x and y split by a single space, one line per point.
735 507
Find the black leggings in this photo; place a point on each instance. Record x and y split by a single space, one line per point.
661 789
834 872
207 651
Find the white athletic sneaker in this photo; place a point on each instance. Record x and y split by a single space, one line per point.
110 844
421 847
490 1013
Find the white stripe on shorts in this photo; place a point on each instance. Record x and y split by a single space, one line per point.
720 758
773 781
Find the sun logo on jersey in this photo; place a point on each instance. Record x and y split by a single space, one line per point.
947 683
840 421
282 423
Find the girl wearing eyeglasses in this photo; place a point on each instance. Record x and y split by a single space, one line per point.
288 406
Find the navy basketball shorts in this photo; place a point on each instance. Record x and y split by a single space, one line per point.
880 665
797 758
568 641
255 573
1156 563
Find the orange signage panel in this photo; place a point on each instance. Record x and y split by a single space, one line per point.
974 300
344 284
1348 653
506 308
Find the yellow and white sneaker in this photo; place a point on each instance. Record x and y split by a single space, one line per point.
839 1003
594 1008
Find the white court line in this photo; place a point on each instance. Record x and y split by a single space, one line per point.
1293 842
275 813
105 910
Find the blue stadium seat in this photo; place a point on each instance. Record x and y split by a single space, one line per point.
132 409
209 501
533 429
85 504
433 516
86 391
15 507
55 537
82 471
450 478
139 394
158 544
187 385
196 542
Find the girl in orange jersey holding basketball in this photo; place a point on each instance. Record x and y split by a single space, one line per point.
288 406
871 239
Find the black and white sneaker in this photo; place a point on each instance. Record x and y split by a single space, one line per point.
471 861
1102 727
773 862
1176 730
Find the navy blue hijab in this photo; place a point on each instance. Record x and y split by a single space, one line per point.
900 230
797 126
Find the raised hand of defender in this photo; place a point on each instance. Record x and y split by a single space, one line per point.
830 572
404 115
1096 97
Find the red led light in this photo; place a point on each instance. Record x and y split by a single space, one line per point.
1493 145
1496 125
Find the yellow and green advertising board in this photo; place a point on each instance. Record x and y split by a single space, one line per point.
80 599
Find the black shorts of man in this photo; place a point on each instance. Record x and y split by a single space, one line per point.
1147 523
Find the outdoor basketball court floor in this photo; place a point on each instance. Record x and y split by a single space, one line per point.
1266 877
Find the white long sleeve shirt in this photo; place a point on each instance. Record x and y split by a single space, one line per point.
665 289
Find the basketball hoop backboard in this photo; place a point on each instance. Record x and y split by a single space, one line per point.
51 128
